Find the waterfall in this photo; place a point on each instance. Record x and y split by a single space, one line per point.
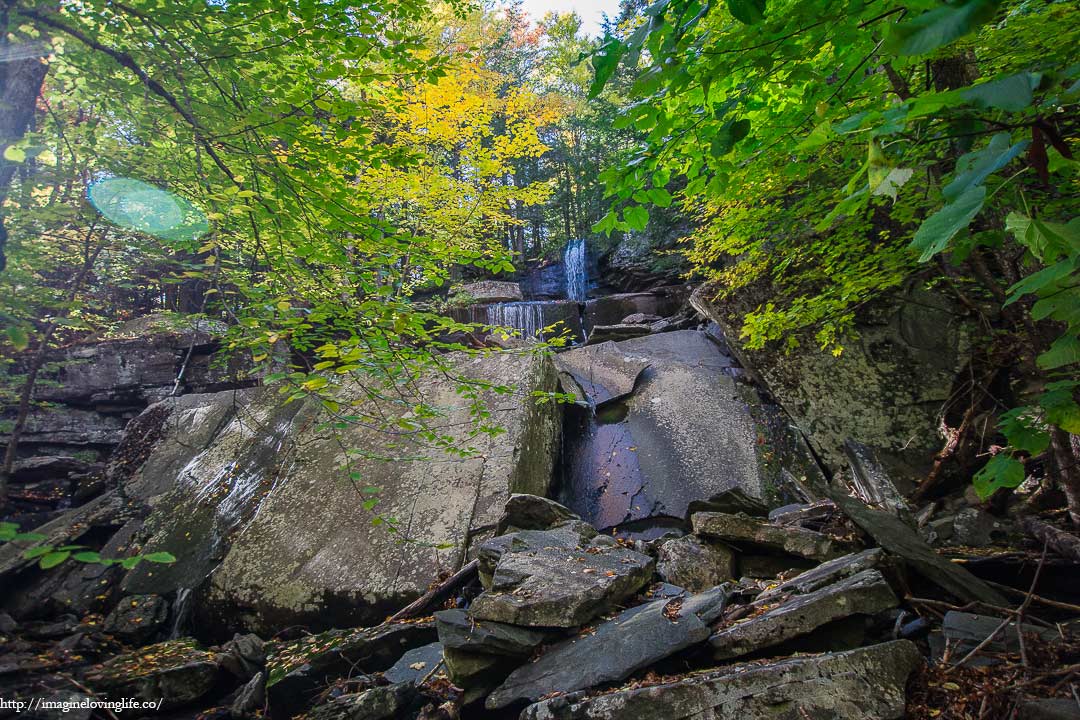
577 274
181 613
527 317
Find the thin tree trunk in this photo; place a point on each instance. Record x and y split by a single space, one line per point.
20 86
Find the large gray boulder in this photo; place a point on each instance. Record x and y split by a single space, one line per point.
633 640
266 501
685 433
885 389
868 683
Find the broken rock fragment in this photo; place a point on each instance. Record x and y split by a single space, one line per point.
614 650
867 683
865 593
743 530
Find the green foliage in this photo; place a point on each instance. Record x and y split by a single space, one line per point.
832 150
50 556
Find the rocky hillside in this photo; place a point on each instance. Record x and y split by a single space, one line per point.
689 534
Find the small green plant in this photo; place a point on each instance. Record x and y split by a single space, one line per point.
50 556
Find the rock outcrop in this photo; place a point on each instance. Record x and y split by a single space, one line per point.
264 495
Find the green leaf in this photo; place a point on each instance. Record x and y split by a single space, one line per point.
87 557
747 11
18 337
1012 93
660 197
14 154
1060 408
164 558
974 167
636 217
1003 471
37 552
935 232
1024 431
1038 281
51 560
1063 351
939 27
131 562
605 61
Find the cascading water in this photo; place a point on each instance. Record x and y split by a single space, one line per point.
577 272
526 317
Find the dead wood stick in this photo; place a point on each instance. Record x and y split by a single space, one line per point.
437 593
1035 598
1065 544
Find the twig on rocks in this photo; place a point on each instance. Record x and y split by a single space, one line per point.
436 593
1004 623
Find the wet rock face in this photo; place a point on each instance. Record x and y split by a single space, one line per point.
138 618
611 310
98 385
867 683
256 491
685 433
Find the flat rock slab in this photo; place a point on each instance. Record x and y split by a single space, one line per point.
561 587
743 530
865 593
415 665
962 632
868 683
633 640
487 291
616 333
571 534
685 433
602 371
899 539
828 573
457 631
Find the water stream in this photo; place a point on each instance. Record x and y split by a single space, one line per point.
577 270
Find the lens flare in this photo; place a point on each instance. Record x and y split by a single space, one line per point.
139 206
